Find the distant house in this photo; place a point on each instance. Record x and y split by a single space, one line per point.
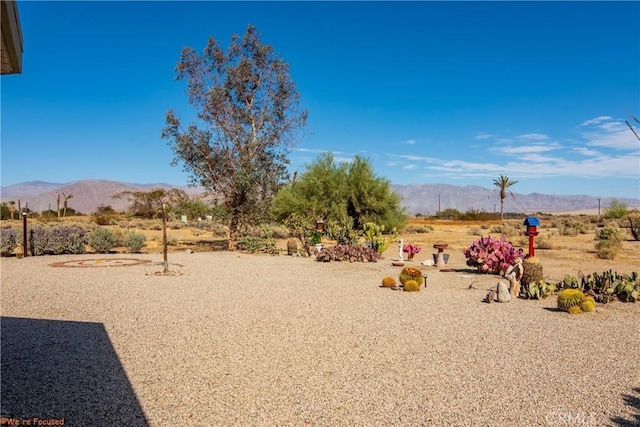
11 38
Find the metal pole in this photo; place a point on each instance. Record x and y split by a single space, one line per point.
531 249
598 207
164 239
24 234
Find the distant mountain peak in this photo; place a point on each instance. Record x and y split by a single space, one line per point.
416 198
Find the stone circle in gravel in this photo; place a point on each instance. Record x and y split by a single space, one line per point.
99 262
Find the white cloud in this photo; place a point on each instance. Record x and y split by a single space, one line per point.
317 150
410 167
523 149
410 142
595 121
483 135
607 132
533 136
587 152
416 158
538 158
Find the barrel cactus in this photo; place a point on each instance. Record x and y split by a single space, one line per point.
410 273
588 305
388 282
570 300
412 286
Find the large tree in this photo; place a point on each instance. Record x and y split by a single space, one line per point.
249 118
503 183
332 191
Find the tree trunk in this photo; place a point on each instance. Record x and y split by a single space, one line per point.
164 240
233 232
502 209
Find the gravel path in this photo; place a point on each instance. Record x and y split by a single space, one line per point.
243 340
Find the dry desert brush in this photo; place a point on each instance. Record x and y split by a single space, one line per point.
348 253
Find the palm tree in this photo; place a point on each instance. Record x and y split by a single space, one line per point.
503 183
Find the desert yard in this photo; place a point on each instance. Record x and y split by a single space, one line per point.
261 340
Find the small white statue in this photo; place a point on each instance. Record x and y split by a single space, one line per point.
400 247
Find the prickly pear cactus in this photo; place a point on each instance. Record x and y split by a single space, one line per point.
412 286
570 300
410 273
532 271
491 255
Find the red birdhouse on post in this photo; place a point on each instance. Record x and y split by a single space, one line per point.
532 223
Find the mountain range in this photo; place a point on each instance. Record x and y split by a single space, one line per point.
426 199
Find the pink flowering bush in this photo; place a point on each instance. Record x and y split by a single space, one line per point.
411 249
489 255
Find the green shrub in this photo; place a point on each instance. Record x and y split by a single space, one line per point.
449 213
506 230
542 242
608 249
104 219
418 229
608 242
475 231
134 242
616 210
634 224
102 240
253 244
343 231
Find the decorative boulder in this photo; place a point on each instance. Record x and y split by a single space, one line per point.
503 294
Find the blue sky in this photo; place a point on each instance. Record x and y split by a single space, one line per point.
430 92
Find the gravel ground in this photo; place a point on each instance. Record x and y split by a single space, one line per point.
249 340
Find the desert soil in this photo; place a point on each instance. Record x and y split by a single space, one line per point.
258 340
